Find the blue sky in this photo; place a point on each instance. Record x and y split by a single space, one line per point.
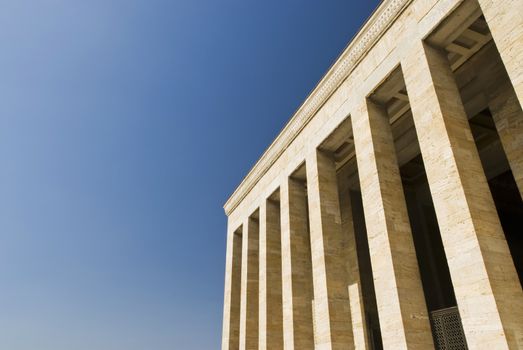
124 127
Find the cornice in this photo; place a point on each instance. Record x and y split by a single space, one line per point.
370 33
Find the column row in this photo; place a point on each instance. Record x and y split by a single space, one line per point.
292 277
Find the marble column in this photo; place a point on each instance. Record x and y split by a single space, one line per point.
486 285
331 297
505 21
359 322
270 298
249 286
296 267
508 118
231 305
399 293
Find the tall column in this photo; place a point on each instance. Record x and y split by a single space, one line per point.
270 299
399 293
359 323
508 117
249 286
485 281
296 267
331 298
505 21
231 304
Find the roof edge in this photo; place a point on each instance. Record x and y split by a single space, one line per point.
363 41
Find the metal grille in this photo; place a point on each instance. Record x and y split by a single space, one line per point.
447 329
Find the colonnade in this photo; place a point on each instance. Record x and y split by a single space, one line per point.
292 276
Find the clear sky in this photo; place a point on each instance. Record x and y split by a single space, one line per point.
124 127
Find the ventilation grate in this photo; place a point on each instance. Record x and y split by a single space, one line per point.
447 329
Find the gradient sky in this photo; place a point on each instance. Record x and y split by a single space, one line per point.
124 127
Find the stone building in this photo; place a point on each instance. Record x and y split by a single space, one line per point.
388 212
